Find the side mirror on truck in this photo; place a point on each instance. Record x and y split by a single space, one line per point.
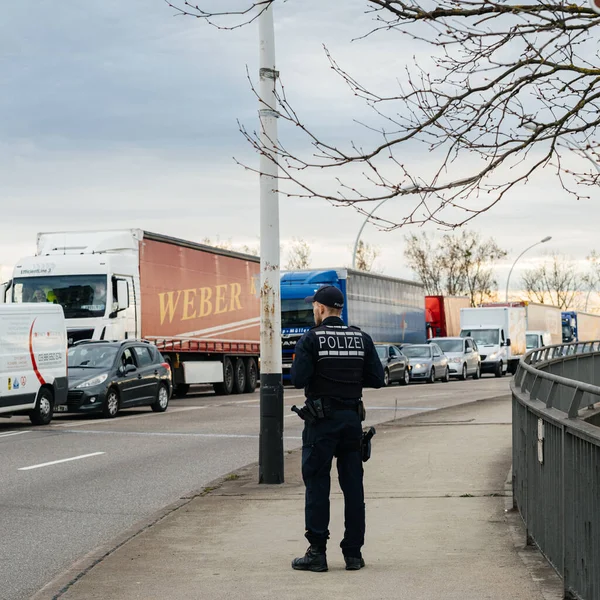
508 343
120 296
4 287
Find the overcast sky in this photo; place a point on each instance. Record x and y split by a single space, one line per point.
116 113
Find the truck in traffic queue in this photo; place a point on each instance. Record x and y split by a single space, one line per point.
542 322
579 326
390 310
33 360
442 315
198 304
500 336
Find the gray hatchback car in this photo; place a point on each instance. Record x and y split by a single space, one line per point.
427 362
463 356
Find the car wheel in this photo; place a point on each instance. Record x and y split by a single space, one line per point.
446 378
386 377
406 378
181 390
463 374
44 407
251 375
225 388
431 376
239 376
499 372
111 405
477 373
162 399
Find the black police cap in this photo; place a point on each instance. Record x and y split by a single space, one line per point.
328 295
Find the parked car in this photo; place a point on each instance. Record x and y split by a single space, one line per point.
463 356
107 376
396 366
427 362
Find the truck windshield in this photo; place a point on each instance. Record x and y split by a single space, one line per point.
483 337
531 341
567 333
79 295
450 345
296 313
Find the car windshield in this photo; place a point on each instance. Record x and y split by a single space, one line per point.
80 295
450 345
381 351
296 313
92 356
531 341
483 337
417 351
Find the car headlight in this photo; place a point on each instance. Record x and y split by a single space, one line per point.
418 366
94 381
456 359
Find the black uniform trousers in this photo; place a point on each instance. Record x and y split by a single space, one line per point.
338 435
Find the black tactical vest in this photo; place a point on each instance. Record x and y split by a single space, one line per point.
340 362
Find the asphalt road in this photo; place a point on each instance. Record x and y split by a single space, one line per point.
79 482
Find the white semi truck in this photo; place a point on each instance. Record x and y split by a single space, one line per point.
500 336
197 303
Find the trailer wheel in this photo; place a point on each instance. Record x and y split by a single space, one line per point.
44 407
239 379
251 375
225 388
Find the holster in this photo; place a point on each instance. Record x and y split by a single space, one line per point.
365 443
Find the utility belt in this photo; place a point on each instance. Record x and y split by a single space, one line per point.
325 408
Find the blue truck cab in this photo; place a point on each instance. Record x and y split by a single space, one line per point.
390 310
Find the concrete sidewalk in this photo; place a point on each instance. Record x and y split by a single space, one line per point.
437 528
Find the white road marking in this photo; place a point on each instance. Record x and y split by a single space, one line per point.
176 434
14 433
56 462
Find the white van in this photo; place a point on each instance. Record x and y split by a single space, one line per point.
33 360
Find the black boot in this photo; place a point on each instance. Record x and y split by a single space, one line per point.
354 563
315 560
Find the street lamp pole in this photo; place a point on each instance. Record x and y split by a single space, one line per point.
409 189
361 230
270 456
546 239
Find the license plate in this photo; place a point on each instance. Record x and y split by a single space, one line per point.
61 408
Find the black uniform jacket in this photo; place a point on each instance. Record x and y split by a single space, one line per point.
304 367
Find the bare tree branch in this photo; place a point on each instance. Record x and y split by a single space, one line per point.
514 88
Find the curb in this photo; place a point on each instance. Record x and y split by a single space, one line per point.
55 588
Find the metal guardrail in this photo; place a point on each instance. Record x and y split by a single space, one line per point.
556 460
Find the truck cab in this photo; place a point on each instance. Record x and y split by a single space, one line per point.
296 315
93 277
537 339
569 326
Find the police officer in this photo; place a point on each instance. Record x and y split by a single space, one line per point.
333 363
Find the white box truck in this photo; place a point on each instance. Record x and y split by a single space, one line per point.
500 336
542 322
33 360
